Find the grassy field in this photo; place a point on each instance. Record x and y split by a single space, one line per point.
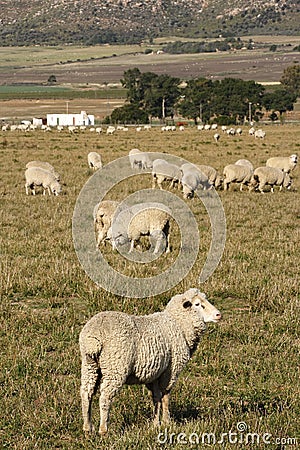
245 372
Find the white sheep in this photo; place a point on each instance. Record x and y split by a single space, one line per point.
244 162
44 165
117 349
259 134
251 131
271 176
211 173
216 137
190 183
94 161
35 176
234 173
110 129
165 171
103 214
201 179
140 160
284 163
137 221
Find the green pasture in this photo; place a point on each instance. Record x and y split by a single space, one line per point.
244 376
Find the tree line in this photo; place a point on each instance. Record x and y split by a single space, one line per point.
227 101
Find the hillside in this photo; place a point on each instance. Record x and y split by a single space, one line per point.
24 22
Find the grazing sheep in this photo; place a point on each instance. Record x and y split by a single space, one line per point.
35 176
200 127
117 349
94 161
216 137
284 163
271 176
211 173
165 171
234 173
190 183
259 134
239 131
231 132
251 131
244 162
44 165
103 216
139 159
201 179
110 130
137 221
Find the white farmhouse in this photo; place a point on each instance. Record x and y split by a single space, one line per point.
70 119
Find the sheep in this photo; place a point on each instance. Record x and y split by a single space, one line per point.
284 163
138 220
190 183
216 137
103 216
211 173
98 130
110 130
259 134
117 349
244 162
239 131
139 159
94 161
201 179
271 176
165 171
251 131
35 176
237 174
44 165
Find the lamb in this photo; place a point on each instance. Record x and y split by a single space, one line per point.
117 349
140 221
139 159
35 176
237 174
244 162
165 171
271 176
44 165
284 163
94 161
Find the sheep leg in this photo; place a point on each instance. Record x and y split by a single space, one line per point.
89 379
165 408
156 397
131 246
241 187
26 188
108 389
226 184
153 181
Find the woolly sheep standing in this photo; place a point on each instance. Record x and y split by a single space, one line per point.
138 221
35 176
140 160
284 163
234 173
259 134
117 349
44 165
94 161
165 171
271 176
190 183
202 179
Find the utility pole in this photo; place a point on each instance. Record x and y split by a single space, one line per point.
163 109
200 112
250 113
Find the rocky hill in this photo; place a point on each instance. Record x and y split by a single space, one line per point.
29 22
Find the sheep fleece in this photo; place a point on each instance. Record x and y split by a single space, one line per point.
139 349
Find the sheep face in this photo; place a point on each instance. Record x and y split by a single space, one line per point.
197 302
294 159
55 188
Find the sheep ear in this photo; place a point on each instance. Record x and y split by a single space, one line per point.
187 304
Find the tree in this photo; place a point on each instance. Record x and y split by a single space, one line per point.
280 100
291 79
195 103
128 114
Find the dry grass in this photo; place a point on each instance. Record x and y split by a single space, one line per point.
245 370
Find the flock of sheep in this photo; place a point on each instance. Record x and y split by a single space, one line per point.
117 348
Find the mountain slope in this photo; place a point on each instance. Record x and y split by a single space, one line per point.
27 22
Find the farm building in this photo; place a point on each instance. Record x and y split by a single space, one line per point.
70 119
